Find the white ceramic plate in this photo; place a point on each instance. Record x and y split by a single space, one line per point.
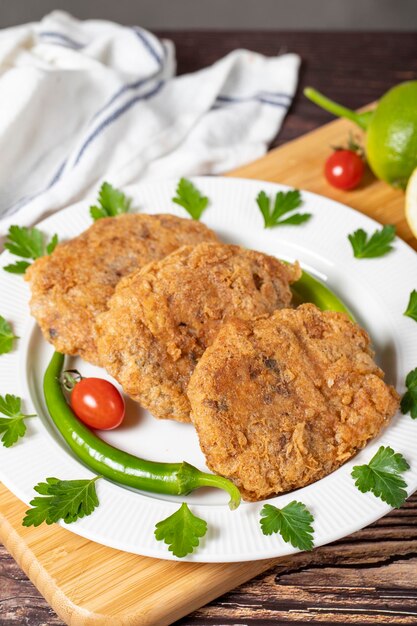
376 291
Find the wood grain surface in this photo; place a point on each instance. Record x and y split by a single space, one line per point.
370 577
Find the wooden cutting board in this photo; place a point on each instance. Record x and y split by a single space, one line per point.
89 584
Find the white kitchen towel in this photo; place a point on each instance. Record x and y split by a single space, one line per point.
83 102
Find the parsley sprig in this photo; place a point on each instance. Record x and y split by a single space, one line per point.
293 522
190 198
111 202
284 203
411 310
382 476
409 399
68 500
379 244
28 243
181 531
7 336
13 425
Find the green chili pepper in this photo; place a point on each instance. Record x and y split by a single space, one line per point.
308 289
116 465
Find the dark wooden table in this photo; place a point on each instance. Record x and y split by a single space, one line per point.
369 577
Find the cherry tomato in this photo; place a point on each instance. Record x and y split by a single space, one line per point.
344 169
98 403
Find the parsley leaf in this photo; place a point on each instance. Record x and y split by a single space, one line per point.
13 426
382 476
19 267
68 500
377 245
52 244
189 197
112 202
28 243
285 202
25 242
181 531
6 336
409 399
411 310
293 522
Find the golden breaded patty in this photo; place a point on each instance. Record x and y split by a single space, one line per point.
282 401
162 318
72 285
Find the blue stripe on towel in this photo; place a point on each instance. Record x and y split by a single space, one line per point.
275 94
63 40
259 97
57 174
109 120
114 116
273 103
138 83
120 92
147 44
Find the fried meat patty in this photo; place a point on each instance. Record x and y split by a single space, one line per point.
282 401
161 319
72 285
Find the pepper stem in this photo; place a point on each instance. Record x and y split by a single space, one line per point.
190 478
361 119
213 480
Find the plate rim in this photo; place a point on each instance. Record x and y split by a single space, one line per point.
83 531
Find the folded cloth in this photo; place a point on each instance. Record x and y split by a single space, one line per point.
83 102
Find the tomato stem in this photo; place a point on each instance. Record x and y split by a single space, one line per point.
361 119
69 379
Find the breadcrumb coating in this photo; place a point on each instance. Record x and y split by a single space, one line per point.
282 401
72 286
162 318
